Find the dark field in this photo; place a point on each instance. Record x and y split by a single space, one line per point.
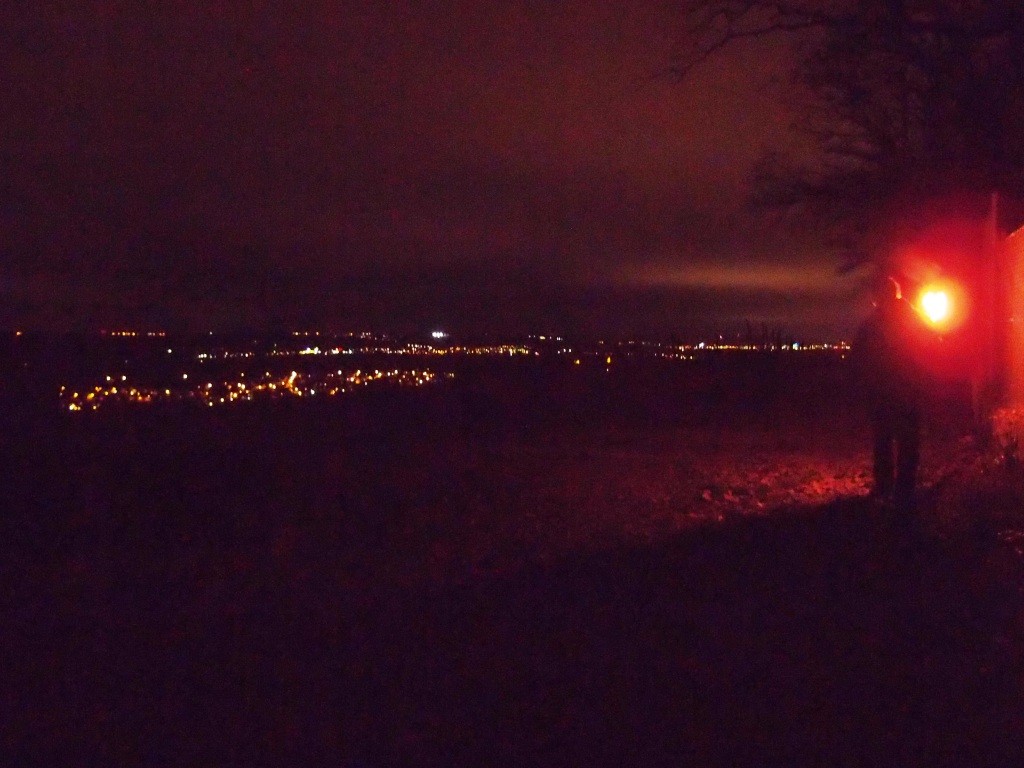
661 564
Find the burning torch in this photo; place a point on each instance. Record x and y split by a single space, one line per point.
941 305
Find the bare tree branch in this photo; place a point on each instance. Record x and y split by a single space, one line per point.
903 93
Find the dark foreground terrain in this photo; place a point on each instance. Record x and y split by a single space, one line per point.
538 574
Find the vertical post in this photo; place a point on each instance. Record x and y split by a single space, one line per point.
985 377
1001 303
1013 254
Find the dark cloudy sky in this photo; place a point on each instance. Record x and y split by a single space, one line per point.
514 166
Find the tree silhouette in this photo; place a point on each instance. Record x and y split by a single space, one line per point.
902 101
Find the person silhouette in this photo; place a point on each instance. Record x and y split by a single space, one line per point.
887 353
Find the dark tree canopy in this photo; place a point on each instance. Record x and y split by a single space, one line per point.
906 101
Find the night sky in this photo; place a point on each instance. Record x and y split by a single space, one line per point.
509 167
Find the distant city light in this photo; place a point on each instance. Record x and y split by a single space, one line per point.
295 384
943 308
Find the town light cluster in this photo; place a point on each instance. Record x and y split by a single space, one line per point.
267 387
491 350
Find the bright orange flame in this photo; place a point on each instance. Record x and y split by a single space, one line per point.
936 305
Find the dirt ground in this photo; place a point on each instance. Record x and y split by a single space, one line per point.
418 581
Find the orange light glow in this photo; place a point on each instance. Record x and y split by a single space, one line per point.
942 304
935 304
